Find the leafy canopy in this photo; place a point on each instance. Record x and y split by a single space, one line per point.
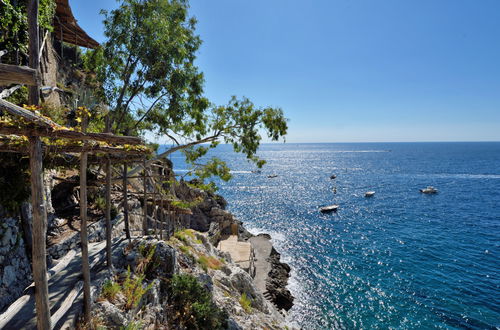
148 77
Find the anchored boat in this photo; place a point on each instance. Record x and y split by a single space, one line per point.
429 190
369 193
328 209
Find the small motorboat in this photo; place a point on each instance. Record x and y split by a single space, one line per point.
429 190
272 176
257 171
369 193
328 209
333 176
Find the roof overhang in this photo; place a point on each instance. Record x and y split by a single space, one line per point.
67 29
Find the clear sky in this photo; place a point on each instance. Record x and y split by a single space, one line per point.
352 70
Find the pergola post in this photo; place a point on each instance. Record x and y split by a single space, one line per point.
161 216
37 196
125 202
108 214
145 206
83 231
154 212
39 235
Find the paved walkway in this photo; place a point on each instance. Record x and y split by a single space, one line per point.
262 250
21 314
241 252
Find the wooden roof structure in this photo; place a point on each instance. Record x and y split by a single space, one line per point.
67 29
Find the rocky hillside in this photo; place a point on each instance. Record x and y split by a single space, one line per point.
183 282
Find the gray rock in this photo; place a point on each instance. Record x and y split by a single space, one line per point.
112 313
7 235
242 282
9 275
206 280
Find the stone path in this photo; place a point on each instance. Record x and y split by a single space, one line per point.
241 252
262 250
64 285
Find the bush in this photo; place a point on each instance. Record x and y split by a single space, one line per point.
133 290
246 303
193 306
209 262
110 289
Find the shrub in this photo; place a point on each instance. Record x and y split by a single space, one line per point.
209 262
110 290
192 305
133 289
246 303
180 235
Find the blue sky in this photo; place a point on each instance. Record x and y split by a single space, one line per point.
352 70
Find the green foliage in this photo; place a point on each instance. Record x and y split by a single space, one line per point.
146 263
110 289
14 24
20 96
133 289
181 236
208 262
100 203
246 303
185 249
193 306
146 68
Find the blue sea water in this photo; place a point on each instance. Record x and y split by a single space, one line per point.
400 259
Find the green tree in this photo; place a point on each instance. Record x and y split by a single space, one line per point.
148 77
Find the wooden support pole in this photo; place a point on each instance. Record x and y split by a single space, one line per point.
39 235
154 213
83 232
125 202
34 91
145 206
108 214
39 250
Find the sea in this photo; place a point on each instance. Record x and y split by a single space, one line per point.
398 260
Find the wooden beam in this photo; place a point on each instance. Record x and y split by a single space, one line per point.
14 74
27 114
5 146
51 129
83 234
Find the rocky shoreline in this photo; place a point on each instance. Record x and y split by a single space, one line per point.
212 213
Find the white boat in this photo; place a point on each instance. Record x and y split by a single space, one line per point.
330 208
429 190
369 193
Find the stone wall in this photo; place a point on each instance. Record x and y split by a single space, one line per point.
15 269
